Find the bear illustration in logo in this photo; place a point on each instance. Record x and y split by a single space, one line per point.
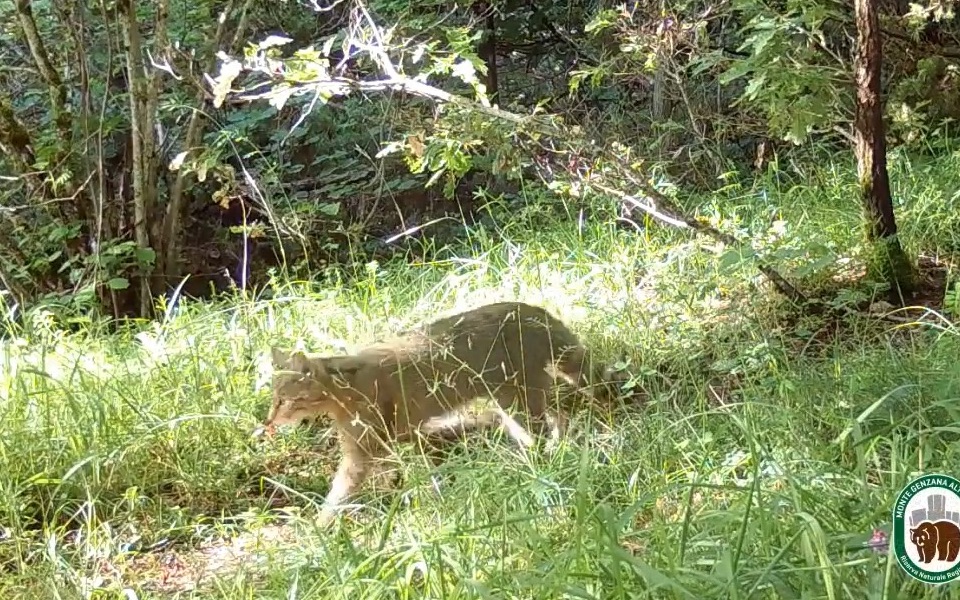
940 540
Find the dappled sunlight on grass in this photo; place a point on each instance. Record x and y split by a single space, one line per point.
758 452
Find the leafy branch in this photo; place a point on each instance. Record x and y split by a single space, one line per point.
309 72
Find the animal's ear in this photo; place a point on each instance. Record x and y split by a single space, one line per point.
281 358
290 360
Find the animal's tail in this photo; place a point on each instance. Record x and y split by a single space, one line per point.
582 368
578 364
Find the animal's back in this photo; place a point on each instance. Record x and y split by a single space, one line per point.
448 362
513 322
395 377
498 341
452 360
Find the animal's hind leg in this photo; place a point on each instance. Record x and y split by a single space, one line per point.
535 397
514 429
437 438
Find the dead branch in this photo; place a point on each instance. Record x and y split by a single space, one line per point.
660 208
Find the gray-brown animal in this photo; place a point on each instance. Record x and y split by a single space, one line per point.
392 390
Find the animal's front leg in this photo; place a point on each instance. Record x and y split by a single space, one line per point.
558 424
353 470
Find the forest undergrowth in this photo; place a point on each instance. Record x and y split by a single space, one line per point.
754 453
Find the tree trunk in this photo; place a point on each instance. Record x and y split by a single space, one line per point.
871 149
488 47
58 91
143 145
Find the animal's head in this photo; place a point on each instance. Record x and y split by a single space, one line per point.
922 535
303 387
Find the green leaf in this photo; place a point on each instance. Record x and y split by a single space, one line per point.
329 208
761 39
736 71
146 256
815 266
118 283
734 258
755 86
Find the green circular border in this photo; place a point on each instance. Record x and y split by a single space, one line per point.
900 544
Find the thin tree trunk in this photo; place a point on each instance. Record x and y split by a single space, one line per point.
152 157
142 145
871 151
488 47
58 91
62 119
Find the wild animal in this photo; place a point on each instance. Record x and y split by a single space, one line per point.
393 390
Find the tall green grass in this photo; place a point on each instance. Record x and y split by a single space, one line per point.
758 454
